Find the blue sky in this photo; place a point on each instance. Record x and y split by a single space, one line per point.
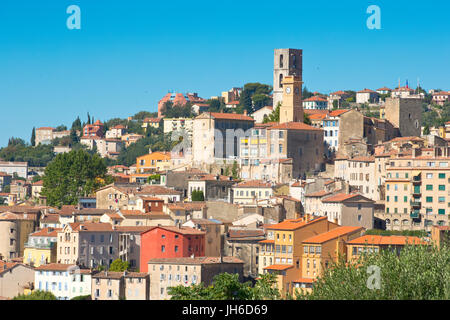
128 54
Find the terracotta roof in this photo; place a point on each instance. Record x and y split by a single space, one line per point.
158 190
91 227
298 184
341 197
4 174
195 260
267 241
8 265
231 116
38 183
332 234
46 128
15 216
384 89
315 98
109 275
55 267
293 224
318 116
386 240
338 112
338 93
320 193
196 205
304 280
363 159
46 232
245 233
366 91
295 126
253 184
280 267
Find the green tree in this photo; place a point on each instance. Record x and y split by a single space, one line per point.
260 101
76 125
72 175
227 286
235 170
141 115
245 101
197 195
86 297
119 266
306 93
418 273
274 116
33 137
36 295
306 118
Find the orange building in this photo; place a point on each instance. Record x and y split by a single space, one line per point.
375 243
322 250
154 161
287 256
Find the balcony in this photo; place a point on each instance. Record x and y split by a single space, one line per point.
417 192
415 203
415 215
417 180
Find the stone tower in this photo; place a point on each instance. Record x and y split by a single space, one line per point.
405 114
287 62
291 108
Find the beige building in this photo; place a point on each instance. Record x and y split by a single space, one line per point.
405 114
47 134
251 191
171 272
178 124
417 190
14 279
108 285
14 231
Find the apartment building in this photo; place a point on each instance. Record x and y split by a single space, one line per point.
171 242
376 243
65 281
251 191
14 231
41 247
322 250
108 285
185 271
88 244
179 124
417 195
154 161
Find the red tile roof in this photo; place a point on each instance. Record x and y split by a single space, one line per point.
294 126
280 267
231 116
196 260
253 184
315 98
293 224
46 232
341 197
332 234
386 240
320 193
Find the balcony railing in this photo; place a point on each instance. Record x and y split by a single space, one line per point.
40 245
414 214
415 203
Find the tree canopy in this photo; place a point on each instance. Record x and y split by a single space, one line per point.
72 175
119 266
36 295
227 286
418 273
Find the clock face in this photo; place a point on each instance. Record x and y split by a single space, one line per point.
288 90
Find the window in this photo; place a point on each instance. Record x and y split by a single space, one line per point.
305 249
176 248
163 248
442 187
441 199
441 211
429 176
429 199
429 187
441 175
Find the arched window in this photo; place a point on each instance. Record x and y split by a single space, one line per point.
281 61
281 80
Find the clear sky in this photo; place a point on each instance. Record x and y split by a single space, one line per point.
128 54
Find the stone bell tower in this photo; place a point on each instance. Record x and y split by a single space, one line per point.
287 62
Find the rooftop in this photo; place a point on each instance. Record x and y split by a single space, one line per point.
332 234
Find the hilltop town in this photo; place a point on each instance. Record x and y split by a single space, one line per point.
261 179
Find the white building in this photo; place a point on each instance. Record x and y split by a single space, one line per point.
315 102
65 281
251 191
366 96
9 167
178 124
260 114
330 126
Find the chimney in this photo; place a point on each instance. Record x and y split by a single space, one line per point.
192 256
245 112
106 273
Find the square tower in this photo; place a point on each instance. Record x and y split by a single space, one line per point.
291 108
287 62
405 114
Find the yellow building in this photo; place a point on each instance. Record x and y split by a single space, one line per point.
375 243
41 247
151 122
154 161
321 251
287 255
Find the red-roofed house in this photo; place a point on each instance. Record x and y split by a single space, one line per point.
170 242
315 102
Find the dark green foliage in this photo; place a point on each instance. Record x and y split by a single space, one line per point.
175 111
72 175
418 273
76 125
306 93
235 170
17 150
141 115
61 128
87 297
159 142
36 295
260 101
197 195
119 266
33 137
416 233
306 118
227 287
274 116
435 116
